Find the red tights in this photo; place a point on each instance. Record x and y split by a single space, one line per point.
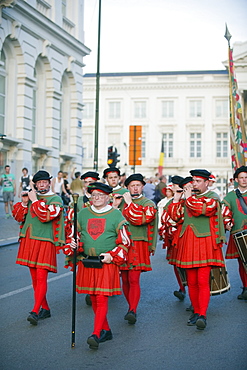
100 308
242 273
131 288
39 280
199 288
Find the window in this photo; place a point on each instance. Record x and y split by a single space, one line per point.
221 108
2 92
195 108
87 146
115 140
221 145
195 145
167 108
168 145
64 8
114 109
140 109
64 116
88 111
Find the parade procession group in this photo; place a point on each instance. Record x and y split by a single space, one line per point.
114 228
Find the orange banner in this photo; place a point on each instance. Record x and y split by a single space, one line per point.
135 145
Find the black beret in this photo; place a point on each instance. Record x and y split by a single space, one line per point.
176 179
239 170
111 169
135 177
185 181
101 187
92 174
41 175
200 173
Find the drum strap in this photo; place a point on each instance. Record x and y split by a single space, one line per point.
242 202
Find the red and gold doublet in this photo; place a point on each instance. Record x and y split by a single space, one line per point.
201 235
142 216
105 232
41 232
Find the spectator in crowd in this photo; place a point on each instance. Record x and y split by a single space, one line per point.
149 189
160 189
24 181
76 185
7 181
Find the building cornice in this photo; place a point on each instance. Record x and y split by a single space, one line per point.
26 15
123 86
158 73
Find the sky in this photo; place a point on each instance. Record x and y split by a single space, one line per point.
162 35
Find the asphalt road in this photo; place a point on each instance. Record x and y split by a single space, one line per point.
159 340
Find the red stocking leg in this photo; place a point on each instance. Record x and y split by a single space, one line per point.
135 289
204 289
100 318
40 290
193 288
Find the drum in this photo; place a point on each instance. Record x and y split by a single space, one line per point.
240 239
219 282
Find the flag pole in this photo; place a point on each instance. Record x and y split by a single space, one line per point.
237 133
232 134
96 129
161 159
75 199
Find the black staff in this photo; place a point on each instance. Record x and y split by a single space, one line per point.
75 198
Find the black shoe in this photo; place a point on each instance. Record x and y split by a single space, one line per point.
88 300
105 335
44 314
93 341
179 294
131 317
201 322
192 320
33 318
190 308
243 295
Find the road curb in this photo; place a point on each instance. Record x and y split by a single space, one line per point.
8 242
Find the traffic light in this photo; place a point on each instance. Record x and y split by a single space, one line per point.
113 155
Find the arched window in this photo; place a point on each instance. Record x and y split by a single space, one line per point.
39 104
65 114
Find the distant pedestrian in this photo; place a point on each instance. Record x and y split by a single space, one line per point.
7 181
76 185
24 184
160 192
57 184
149 189
66 195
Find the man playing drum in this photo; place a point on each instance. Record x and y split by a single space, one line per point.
235 220
200 240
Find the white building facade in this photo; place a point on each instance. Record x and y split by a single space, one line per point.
42 50
187 111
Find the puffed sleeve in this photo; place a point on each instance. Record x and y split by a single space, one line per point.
138 215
